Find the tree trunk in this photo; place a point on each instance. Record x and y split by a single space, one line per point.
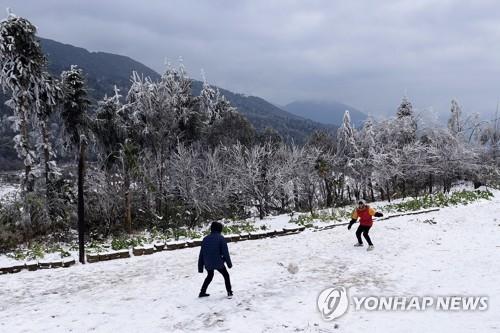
357 192
81 205
310 199
329 197
128 204
430 183
261 209
28 183
342 188
371 190
284 201
49 188
46 157
296 201
158 199
382 194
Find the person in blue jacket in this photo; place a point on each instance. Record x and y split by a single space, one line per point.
213 254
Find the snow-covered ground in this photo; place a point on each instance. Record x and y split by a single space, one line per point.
457 256
7 190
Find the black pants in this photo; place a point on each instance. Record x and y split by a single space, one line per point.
210 276
363 230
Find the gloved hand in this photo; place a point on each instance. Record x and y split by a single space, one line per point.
200 270
350 224
230 266
377 214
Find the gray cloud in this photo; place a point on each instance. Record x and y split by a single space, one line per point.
365 53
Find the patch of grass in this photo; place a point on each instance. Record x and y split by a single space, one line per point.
124 242
54 248
187 233
439 200
307 220
95 247
33 252
238 228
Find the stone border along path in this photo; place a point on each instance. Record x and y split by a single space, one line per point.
145 250
176 245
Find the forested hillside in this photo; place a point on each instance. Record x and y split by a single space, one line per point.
103 71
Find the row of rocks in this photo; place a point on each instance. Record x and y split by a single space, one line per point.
176 245
145 250
104 256
36 265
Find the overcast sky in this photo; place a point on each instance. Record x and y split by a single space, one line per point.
366 53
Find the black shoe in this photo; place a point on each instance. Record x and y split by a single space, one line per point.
229 294
203 295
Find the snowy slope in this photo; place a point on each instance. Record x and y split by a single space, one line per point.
458 255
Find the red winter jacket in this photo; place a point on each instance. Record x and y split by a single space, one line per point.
365 216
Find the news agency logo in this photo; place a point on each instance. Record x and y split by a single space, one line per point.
334 302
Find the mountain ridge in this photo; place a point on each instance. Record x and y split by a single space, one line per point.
327 112
104 70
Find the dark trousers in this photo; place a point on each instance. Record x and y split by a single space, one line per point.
363 230
210 276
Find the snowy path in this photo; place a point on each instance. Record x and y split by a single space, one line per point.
458 255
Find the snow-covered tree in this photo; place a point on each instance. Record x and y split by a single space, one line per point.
21 66
366 153
325 164
259 174
455 123
306 178
50 97
448 157
347 149
75 128
181 103
209 101
109 130
187 185
406 129
231 128
157 108
405 109
346 143
118 142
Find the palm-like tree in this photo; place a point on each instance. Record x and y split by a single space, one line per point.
75 126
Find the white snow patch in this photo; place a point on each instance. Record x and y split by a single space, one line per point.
457 256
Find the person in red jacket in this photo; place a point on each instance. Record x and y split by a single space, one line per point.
365 214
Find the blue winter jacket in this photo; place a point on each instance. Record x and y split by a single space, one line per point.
213 253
